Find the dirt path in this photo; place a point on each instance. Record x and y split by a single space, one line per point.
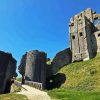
34 94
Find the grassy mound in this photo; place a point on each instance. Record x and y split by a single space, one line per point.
83 75
82 81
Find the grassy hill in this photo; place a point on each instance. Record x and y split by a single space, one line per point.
83 75
82 81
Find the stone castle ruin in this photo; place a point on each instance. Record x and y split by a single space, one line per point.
84 29
33 67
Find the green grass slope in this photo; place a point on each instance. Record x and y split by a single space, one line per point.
82 81
83 75
64 94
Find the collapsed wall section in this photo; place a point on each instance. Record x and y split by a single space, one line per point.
62 58
7 71
33 66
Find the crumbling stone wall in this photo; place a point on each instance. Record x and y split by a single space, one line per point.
33 66
7 71
62 58
84 35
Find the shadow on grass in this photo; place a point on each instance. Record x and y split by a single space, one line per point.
55 81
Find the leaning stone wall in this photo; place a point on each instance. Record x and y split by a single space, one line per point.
62 58
7 71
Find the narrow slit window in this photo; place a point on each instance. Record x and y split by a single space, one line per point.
99 35
73 37
81 14
72 24
81 34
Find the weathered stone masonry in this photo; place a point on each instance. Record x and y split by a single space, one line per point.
7 71
33 66
62 58
84 35
84 29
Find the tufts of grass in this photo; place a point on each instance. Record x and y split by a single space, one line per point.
49 62
13 97
15 89
19 79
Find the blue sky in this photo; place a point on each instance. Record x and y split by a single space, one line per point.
38 24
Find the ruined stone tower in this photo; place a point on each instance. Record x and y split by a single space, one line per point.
84 29
33 66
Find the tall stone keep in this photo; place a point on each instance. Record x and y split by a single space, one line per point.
84 29
33 66
7 71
